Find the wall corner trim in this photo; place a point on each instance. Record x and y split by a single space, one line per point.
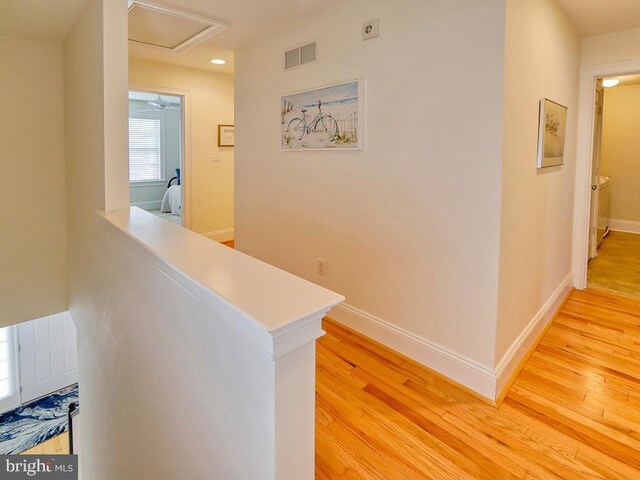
453 365
485 381
519 350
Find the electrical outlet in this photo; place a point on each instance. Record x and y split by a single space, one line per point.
322 267
215 157
371 29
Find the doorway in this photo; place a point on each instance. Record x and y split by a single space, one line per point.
38 382
37 358
613 252
159 153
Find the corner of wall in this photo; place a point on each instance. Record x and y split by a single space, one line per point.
542 60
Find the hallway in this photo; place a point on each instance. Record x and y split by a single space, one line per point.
617 266
572 413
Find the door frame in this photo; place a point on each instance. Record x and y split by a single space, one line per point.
185 164
584 161
595 193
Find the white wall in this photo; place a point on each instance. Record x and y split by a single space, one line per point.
95 73
199 379
615 47
410 225
33 282
621 151
211 104
155 342
542 59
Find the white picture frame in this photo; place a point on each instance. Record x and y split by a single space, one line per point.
552 133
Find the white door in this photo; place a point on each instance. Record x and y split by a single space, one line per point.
48 355
595 170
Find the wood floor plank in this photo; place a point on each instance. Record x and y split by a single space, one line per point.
58 445
573 413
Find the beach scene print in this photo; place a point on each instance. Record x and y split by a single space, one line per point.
326 118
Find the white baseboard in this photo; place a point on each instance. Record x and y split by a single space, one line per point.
221 235
150 205
624 226
529 336
484 380
457 367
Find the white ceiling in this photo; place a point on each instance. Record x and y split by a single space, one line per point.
247 19
50 20
42 20
597 17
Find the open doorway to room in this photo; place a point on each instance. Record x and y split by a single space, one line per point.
156 152
614 217
181 62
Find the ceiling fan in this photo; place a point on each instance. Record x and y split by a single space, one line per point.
160 105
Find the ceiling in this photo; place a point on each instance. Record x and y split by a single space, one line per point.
42 20
247 19
597 17
51 21
628 80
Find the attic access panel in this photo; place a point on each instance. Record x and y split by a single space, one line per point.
168 29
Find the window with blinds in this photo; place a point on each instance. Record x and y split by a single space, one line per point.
145 152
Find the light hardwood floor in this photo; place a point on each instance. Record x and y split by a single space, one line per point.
572 413
617 266
58 445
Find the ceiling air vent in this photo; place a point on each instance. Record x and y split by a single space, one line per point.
168 29
301 55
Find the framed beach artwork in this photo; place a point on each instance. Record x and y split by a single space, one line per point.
326 118
552 131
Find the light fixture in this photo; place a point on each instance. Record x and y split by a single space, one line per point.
161 105
610 82
218 61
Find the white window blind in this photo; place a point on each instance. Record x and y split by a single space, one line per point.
145 155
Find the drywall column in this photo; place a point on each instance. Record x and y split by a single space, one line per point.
542 59
206 357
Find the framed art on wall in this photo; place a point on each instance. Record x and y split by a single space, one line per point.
326 118
226 136
552 132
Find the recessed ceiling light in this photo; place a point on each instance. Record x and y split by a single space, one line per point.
610 82
218 61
